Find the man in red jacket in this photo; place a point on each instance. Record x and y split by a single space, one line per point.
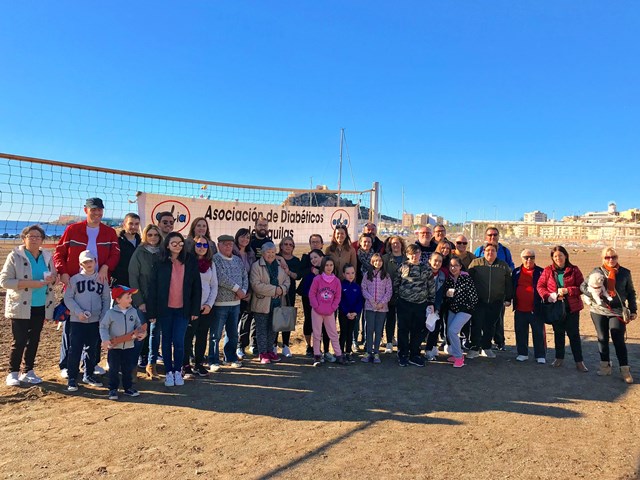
93 235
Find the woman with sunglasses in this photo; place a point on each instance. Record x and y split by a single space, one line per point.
608 316
291 266
174 300
560 282
199 328
199 228
145 256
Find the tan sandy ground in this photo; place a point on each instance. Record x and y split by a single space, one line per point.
492 419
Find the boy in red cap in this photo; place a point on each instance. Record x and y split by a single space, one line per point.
121 320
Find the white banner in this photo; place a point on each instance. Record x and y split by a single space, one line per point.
228 217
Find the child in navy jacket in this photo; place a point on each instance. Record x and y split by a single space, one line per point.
349 310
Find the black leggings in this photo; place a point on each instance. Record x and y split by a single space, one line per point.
390 323
604 325
570 326
346 332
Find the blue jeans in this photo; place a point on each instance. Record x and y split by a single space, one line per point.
155 333
224 317
174 327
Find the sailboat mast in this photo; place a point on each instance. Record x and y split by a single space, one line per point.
340 171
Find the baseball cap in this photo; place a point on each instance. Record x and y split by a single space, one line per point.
86 255
120 290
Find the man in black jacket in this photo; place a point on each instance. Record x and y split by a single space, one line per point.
128 240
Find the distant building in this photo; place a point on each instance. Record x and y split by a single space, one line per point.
421 219
407 220
633 215
535 217
611 215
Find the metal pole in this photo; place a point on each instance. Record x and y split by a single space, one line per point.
373 211
340 171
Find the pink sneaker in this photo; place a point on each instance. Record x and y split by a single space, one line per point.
459 363
451 359
273 356
264 358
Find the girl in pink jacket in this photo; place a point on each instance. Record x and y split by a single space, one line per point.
324 297
376 290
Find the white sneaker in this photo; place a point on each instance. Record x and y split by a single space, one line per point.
254 350
177 379
214 367
64 373
30 377
488 353
13 380
522 358
168 380
240 353
541 360
330 357
286 351
98 370
445 349
354 346
389 348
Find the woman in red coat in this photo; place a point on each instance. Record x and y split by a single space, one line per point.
560 282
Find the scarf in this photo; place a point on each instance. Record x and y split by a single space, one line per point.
611 279
272 268
152 249
327 278
203 264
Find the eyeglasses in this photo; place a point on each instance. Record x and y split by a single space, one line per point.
288 244
168 222
151 235
462 243
611 257
492 234
34 237
528 257
176 244
202 245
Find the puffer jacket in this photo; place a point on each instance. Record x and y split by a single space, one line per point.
626 293
140 272
262 288
572 280
493 281
377 290
17 267
415 283
465 297
115 323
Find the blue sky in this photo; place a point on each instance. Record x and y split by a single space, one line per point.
476 108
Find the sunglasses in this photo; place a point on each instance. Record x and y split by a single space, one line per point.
202 245
529 257
176 244
612 257
462 243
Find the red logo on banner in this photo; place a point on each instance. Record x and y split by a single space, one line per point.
179 211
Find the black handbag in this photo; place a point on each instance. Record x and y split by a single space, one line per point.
553 312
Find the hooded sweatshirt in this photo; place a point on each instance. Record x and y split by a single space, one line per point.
118 322
325 294
86 294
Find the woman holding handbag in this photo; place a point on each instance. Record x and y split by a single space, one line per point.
612 316
269 284
560 282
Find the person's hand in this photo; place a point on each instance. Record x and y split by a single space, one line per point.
65 278
103 274
633 316
141 336
315 270
553 297
193 317
506 304
152 320
351 315
83 317
240 294
106 345
562 292
430 309
143 308
205 309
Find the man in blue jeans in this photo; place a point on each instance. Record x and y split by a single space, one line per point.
233 285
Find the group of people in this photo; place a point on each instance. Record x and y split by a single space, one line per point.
158 295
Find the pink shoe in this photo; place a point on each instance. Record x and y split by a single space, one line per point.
459 363
451 359
264 358
273 356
